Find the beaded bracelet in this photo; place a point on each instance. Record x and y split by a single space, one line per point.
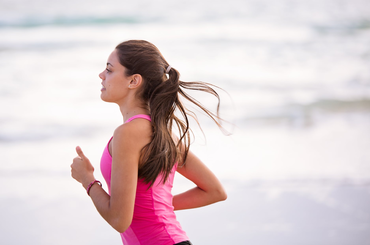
91 184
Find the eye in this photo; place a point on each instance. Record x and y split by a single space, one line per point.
108 70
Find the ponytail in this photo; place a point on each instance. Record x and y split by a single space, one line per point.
160 95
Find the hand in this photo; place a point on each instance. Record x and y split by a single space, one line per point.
81 169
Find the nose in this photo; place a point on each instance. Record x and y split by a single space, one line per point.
101 75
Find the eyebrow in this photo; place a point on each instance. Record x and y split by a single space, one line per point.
109 64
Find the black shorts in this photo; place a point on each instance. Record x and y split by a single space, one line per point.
184 243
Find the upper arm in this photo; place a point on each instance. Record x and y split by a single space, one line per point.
196 171
128 140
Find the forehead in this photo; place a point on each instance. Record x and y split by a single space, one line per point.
113 58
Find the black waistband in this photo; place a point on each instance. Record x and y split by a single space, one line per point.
184 243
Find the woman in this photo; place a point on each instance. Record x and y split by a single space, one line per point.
141 158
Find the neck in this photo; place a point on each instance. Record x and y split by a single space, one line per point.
135 111
129 110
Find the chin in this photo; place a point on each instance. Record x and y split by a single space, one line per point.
103 99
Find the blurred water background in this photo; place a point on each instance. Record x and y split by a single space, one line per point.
297 167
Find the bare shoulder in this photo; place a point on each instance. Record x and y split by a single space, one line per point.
138 132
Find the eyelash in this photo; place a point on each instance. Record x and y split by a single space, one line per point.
107 70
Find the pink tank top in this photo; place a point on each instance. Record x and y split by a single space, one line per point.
154 220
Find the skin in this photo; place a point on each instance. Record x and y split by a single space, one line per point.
128 139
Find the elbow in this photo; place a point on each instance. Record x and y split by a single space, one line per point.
217 195
222 195
121 229
121 225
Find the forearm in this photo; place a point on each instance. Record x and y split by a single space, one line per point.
196 197
117 207
101 201
100 198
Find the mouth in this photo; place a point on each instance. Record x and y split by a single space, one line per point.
102 87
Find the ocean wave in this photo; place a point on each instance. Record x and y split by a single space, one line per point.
30 22
301 182
32 172
33 133
345 28
306 115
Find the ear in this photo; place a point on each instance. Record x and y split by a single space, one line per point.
136 81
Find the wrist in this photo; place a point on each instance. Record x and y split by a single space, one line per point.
97 182
87 182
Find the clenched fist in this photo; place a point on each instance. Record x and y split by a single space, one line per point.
81 169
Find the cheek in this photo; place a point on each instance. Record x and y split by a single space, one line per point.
115 90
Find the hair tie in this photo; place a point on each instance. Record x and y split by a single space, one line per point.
168 69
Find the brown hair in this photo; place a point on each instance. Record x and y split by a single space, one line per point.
161 96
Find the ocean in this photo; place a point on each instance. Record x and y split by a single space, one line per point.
296 76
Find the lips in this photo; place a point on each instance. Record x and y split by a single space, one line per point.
102 88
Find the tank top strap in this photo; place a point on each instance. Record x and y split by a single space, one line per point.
147 117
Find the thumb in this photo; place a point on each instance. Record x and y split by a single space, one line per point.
80 153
